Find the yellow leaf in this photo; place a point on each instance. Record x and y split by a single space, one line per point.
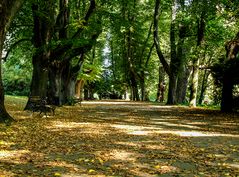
57 174
157 166
101 161
91 171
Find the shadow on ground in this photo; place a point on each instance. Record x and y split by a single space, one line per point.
121 139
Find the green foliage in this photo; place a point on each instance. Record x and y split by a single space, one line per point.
17 72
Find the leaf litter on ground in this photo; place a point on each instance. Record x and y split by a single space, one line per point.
120 139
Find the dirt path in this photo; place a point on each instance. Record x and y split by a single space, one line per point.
120 139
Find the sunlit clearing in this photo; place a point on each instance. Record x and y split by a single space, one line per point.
63 164
162 106
6 173
6 143
83 127
234 165
111 103
13 156
59 124
139 133
176 125
142 145
123 155
135 130
197 134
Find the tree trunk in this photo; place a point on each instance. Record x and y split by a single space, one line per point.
156 38
182 85
86 92
227 93
8 9
134 87
161 85
61 84
174 63
42 34
4 116
55 86
204 86
200 38
79 88
58 58
39 78
172 89
194 86
142 86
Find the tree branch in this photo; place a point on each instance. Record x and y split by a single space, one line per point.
86 18
156 38
13 46
146 41
149 55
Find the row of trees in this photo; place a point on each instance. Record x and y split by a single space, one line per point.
138 43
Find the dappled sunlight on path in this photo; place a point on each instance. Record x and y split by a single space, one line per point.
121 138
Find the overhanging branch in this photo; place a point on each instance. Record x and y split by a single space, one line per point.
86 18
13 46
156 38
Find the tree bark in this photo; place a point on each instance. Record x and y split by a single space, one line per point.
227 99
156 38
174 63
200 38
182 85
42 35
161 87
8 9
204 86
194 86
79 88
60 71
230 75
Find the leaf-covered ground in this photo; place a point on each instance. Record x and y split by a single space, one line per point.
119 139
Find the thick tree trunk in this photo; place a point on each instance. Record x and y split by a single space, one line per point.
156 38
61 85
42 34
70 88
172 89
182 85
231 75
134 87
200 38
142 86
194 86
161 85
39 80
8 9
79 88
204 86
55 86
4 116
174 63
227 95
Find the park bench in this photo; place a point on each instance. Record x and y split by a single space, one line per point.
39 104
74 101
78 101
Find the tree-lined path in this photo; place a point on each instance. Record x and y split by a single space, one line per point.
119 139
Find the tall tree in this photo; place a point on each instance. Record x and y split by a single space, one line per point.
60 47
8 9
173 68
230 74
201 25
